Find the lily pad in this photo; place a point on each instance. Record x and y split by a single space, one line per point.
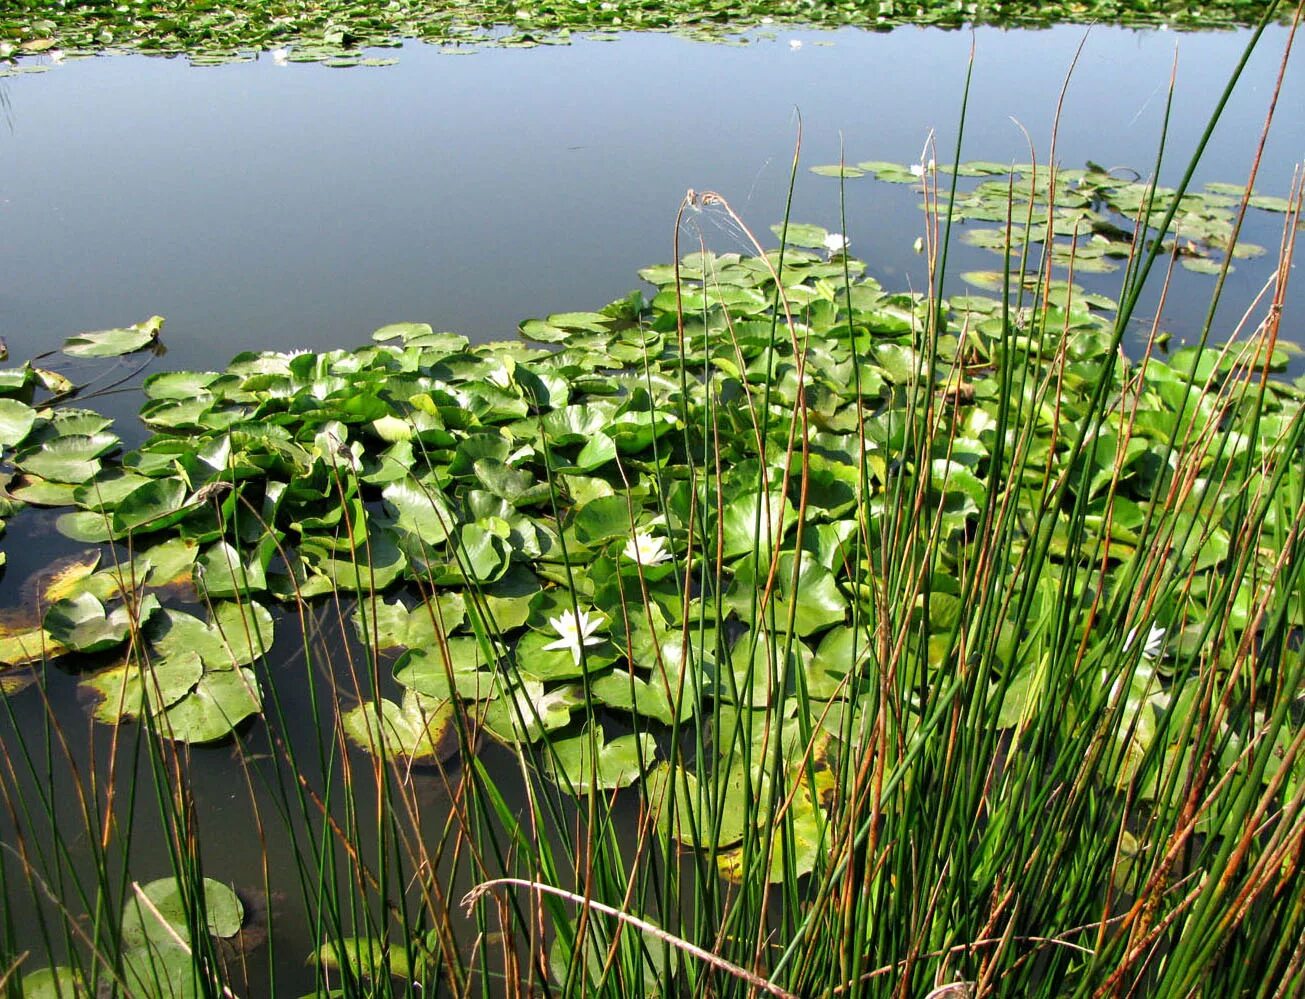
422 728
115 342
219 702
587 762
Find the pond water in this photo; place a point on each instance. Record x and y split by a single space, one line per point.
268 207
274 207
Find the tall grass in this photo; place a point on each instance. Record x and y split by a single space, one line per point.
1009 796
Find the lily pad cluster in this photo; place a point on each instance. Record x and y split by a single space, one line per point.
1086 217
337 32
655 518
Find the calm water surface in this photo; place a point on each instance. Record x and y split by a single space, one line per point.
263 206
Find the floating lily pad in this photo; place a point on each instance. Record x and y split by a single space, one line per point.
134 689
82 624
164 918
422 728
16 420
219 702
587 762
115 342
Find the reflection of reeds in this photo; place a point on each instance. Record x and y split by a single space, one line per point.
1011 798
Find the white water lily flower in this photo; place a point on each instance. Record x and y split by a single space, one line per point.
920 169
795 43
835 242
280 56
577 629
1155 639
646 549
56 56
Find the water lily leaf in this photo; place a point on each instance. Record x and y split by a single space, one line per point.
525 712
62 578
368 957
59 982
86 526
468 673
81 622
221 572
1267 203
539 663
220 701
422 728
483 556
650 698
597 452
20 645
893 173
133 689
818 601
238 634
164 919
1202 265
16 419
114 343
842 655
376 565
594 322
587 762
108 489
73 458
603 519
178 384
800 234
507 602
156 504
804 843
420 508
402 331
837 170
170 562
575 424
749 523
704 813
542 332
36 491
518 487
162 969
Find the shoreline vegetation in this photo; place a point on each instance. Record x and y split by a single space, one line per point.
36 33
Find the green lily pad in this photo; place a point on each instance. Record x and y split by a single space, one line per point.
238 634
16 420
220 701
73 458
467 673
82 624
422 728
164 918
587 762
115 342
524 713
134 689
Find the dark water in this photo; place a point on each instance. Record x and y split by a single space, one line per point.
273 207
